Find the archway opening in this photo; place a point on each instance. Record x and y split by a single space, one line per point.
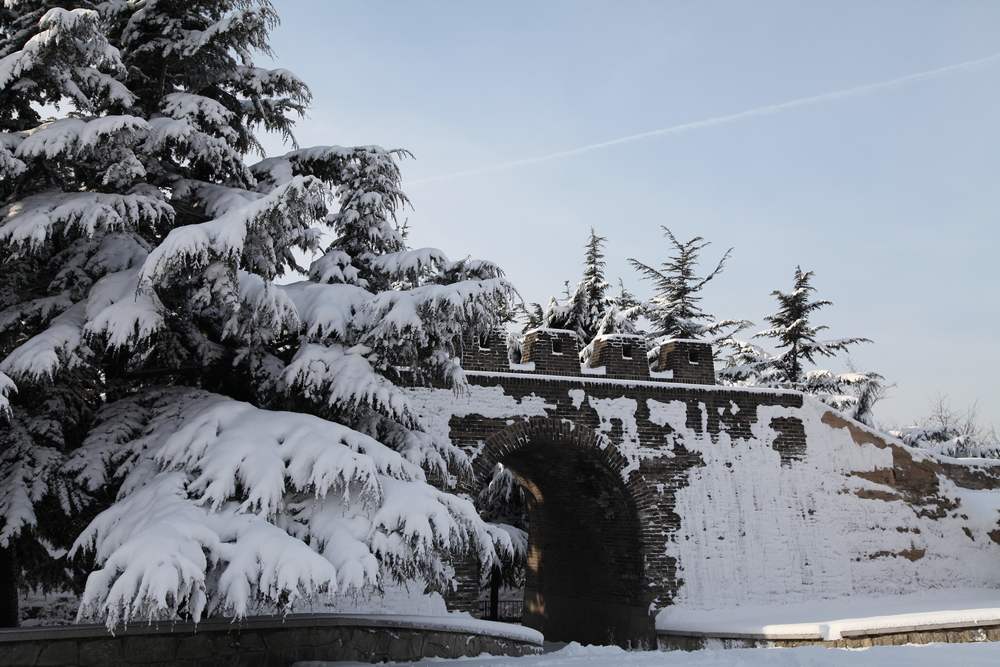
584 570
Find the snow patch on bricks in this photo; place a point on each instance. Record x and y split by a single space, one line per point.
436 407
753 531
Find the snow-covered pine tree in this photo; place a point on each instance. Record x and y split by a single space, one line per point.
582 308
674 311
59 196
797 349
503 503
253 437
593 288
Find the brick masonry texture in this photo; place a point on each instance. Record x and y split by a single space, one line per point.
689 361
621 357
552 351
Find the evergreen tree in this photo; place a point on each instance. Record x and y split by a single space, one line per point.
798 347
795 335
625 300
582 308
593 299
251 433
675 308
57 179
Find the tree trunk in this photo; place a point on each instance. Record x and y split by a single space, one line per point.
8 589
495 594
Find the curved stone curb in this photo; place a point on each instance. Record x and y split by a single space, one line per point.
267 640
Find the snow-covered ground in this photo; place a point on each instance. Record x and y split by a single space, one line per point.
830 619
574 655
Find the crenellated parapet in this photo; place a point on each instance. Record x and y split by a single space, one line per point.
687 361
547 351
552 351
619 356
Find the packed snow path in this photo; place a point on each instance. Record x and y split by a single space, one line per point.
574 655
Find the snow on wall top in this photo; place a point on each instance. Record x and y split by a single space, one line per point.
666 386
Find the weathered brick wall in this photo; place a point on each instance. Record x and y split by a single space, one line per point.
604 472
606 460
553 351
484 353
654 462
621 356
688 361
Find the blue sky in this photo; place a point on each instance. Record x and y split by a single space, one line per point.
891 197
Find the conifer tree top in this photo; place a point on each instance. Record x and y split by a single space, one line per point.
675 308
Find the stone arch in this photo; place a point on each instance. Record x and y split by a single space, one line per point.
585 572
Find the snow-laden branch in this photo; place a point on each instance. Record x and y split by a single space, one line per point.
418 315
122 312
7 389
271 506
326 311
31 222
44 353
41 309
26 473
66 52
251 237
343 378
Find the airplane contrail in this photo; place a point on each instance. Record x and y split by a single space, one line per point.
716 120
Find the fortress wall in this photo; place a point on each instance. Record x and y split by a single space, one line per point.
748 496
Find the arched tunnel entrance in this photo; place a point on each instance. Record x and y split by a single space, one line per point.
584 570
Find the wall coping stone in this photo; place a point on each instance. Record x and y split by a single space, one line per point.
625 382
461 624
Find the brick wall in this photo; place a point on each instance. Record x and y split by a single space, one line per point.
552 351
604 459
601 511
689 361
621 357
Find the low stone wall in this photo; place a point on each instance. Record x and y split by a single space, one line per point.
896 637
265 641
